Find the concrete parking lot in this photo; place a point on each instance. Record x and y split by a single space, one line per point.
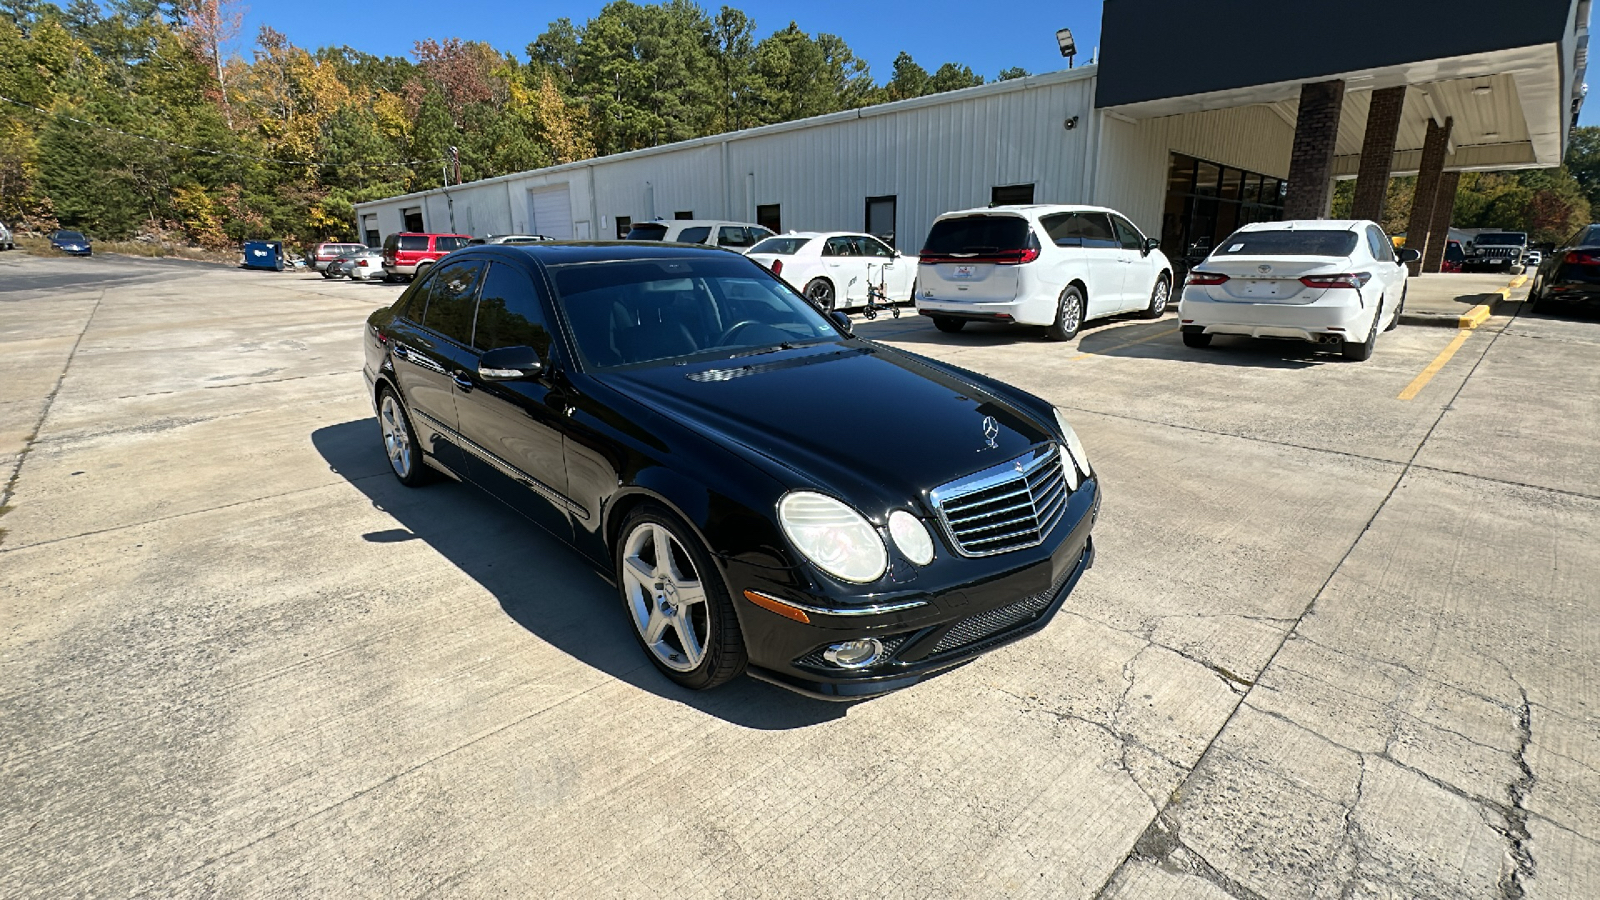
1336 644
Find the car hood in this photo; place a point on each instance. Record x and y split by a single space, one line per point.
867 423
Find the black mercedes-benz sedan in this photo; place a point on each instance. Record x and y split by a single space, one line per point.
1569 274
767 491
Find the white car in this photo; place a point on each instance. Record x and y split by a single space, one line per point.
365 266
834 268
1051 265
1328 282
733 235
1533 258
7 239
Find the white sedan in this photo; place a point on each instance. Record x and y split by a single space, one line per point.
1328 282
834 268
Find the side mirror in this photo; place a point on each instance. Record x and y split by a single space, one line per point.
1151 245
1407 255
842 321
509 364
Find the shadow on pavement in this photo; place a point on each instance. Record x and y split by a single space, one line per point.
542 584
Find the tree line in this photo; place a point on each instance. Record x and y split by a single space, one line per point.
132 117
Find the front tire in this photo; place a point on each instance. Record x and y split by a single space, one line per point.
400 441
820 292
1069 316
681 612
949 325
1159 297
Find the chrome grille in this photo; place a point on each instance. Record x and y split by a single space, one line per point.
973 629
1006 507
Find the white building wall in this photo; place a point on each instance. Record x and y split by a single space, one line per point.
933 154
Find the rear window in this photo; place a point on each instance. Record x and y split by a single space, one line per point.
1306 242
647 231
1501 239
974 235
412 242
781 246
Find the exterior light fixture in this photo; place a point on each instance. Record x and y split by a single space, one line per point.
1482 90
1069 48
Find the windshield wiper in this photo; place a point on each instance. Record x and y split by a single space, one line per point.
783 346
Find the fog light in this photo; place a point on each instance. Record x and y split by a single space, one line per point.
854 654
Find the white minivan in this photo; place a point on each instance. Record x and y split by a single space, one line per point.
1048 264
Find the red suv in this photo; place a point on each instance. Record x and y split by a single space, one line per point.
410 253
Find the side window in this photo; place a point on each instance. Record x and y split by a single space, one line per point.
867 246
510 312
1381 248
1127 235
1092 230
836 246
733 236
696 235
449 293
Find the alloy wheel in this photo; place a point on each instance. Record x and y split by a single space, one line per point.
1158 303
665 597
396 438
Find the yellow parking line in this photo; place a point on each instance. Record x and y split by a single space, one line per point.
1159 334
1421 381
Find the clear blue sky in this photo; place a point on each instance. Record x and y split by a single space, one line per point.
986 37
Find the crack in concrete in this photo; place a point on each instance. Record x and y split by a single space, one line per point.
1161 845
1516 813
1353 839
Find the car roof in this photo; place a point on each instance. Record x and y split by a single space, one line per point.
822 234
1025 209
1309 225
559 253
691 223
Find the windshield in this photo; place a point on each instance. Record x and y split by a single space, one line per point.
976 234
69 236
647 231
781 246
678 310
1501 239
1299 242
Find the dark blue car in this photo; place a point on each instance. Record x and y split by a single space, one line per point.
73 242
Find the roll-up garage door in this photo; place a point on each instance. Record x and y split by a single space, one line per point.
551 210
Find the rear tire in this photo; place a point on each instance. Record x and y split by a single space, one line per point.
948 325
1196 340
1363 351
1069 316
400 440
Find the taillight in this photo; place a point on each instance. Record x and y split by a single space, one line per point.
1582 258
1204 278
1352 280
777 267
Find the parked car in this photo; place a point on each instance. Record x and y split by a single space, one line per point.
408 254
1046 264
769 493
734 235
1570 274
1329 282
1454 256
834 268
323 255
511 239
7 239
73 242
1496 251
367 261
1533 258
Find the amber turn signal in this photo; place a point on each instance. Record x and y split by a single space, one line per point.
777 606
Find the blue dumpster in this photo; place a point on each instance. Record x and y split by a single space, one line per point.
263 255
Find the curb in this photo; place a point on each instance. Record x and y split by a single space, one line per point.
1473 317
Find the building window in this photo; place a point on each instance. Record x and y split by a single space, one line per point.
880 218
413 219
1011 195
624 225
1206 202
683 215
767 217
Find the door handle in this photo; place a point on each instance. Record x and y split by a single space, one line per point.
401 352
462 381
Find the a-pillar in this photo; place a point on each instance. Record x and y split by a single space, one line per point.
1377 153
1444 204
1420 227
1316 129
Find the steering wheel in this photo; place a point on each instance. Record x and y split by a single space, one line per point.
729 332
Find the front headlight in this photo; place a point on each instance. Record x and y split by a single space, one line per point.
833 536
1074 446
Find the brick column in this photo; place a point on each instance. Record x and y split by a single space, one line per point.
1420 226
1444 204
1311 162
1377 153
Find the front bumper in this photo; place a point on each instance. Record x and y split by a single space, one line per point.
961 618
1319 321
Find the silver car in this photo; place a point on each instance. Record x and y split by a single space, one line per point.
7 239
